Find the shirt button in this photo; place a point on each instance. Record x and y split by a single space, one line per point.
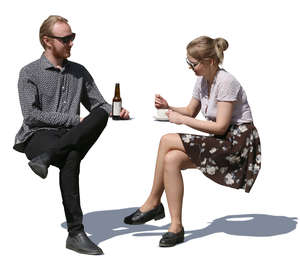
65 102
63 88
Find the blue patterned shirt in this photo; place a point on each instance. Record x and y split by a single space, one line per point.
50 97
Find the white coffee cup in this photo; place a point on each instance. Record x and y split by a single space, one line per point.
161 113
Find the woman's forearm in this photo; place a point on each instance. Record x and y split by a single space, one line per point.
182 110
204 125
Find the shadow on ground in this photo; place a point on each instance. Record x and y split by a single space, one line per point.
103 225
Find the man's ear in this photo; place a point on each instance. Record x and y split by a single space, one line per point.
47 42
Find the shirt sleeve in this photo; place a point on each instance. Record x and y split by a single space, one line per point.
91 96
228 90
32 113
197 89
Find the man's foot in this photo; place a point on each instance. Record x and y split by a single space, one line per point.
40 164
82 244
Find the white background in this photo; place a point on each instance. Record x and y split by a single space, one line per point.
141 44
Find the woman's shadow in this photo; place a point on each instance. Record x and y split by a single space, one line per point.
103 225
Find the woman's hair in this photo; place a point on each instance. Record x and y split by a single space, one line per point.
47 25
205 47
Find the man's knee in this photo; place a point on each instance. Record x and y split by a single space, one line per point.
73 158
101 117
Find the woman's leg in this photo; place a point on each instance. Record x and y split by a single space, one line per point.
175 161
167 143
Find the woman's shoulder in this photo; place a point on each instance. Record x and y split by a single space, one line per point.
226 77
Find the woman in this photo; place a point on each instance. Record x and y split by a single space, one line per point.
230 156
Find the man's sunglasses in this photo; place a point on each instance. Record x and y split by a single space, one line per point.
65 39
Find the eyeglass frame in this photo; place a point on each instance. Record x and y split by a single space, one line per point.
193 65
65 39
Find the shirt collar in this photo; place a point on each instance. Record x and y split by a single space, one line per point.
46 64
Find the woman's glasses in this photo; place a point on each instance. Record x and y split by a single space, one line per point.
191 64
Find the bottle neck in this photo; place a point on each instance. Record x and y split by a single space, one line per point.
117 91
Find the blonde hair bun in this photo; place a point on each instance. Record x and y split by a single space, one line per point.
206 47
221 45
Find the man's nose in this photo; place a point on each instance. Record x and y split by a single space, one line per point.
70 43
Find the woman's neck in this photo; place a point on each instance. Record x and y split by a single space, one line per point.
211 76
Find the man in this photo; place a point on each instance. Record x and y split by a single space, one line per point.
53 133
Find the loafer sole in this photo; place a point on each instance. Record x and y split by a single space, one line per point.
178 241
85 251
158 217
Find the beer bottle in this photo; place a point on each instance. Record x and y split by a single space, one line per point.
116 103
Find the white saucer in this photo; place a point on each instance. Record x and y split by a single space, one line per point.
157 118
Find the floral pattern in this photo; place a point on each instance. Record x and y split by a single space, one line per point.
232 160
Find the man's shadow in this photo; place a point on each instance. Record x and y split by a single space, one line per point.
103 225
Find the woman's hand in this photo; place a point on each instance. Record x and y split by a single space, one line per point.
175 117
160 102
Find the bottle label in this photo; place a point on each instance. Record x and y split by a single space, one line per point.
117 108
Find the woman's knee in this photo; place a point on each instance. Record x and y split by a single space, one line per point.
167 139
173 160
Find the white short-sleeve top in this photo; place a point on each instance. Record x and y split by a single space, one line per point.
225 87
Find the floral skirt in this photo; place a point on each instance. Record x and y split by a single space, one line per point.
232 160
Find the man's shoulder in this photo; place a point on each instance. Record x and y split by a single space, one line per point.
78 69
76 65
30 70
31 66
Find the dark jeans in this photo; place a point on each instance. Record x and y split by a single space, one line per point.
67 148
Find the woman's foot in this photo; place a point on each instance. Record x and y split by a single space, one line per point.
139 217
171 239
175 228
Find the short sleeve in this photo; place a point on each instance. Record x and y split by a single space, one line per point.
228 90
197 89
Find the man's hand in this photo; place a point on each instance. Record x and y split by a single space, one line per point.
124 114
175 117
81 119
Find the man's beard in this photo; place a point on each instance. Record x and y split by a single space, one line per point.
63 54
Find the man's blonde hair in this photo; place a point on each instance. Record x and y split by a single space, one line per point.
47 26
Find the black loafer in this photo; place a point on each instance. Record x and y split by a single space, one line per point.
139 217
170 239
40 164
82 244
